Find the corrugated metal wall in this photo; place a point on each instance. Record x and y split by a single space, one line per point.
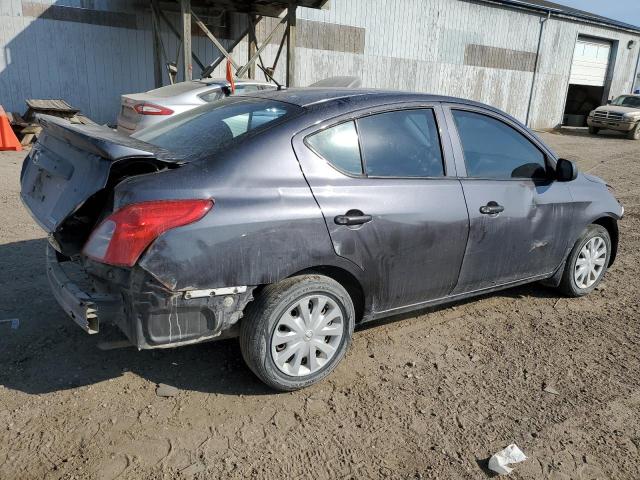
424 45
451 47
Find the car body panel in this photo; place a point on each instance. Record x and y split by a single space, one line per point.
419 225
265 224
531 231
70 163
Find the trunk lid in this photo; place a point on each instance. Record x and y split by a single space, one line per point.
71 164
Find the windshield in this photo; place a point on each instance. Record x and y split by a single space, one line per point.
209 128
627 101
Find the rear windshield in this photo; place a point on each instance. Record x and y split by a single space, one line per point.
209 128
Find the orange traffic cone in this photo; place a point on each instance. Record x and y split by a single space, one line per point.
8 140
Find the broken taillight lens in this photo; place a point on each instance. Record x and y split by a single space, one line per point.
122 237
152 109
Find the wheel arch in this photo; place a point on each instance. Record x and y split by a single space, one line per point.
348 280
611 225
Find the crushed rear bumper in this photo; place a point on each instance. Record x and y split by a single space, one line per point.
147 313
86 309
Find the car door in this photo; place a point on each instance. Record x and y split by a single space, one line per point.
387 188
515 206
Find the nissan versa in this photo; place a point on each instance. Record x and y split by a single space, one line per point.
288 217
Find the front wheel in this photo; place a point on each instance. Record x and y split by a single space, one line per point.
297 331
634 133
587 262
594 130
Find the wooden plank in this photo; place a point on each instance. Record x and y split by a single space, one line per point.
251 50
185 9
291 44
157 44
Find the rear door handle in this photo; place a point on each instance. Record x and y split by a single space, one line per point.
491 208
352 217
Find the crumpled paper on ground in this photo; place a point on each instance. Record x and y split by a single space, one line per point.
512 454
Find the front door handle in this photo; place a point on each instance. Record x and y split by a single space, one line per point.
352 217
491 208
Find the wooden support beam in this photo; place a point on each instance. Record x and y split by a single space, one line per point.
185 10
215 41
157 44
291 43
264 45
173 29
252 44
212 66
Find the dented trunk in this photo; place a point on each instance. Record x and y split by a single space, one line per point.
68 178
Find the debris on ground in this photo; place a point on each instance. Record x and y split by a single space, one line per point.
165 390
499 462
550 389
27 128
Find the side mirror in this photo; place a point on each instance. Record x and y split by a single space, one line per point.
566 170
609 102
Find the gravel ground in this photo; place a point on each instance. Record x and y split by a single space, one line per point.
431 396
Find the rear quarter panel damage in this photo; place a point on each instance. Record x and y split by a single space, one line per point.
265 224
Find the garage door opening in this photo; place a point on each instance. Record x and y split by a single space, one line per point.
589 80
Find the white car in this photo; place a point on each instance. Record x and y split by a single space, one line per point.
140 110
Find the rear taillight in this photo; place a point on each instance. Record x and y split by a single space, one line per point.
122 237
151 109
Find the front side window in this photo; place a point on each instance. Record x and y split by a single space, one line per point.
339 146
492 149
403 143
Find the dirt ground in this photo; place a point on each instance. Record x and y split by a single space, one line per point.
431 396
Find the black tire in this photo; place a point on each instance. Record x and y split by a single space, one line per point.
568 284
594 130
262 317
634 133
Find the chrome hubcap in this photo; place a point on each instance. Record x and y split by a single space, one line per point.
590 262
307 335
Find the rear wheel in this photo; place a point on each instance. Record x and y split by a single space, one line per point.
587 262
297 331
634 133
594 130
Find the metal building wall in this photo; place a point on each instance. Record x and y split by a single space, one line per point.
461 48
87 64
466 49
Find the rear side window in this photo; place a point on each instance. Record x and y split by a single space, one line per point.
404 143
339 146
492 149
211 127
245 89
212 95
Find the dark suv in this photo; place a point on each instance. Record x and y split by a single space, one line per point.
288 217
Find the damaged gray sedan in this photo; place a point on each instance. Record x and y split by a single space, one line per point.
288 217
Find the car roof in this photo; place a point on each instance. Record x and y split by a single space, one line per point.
309 96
